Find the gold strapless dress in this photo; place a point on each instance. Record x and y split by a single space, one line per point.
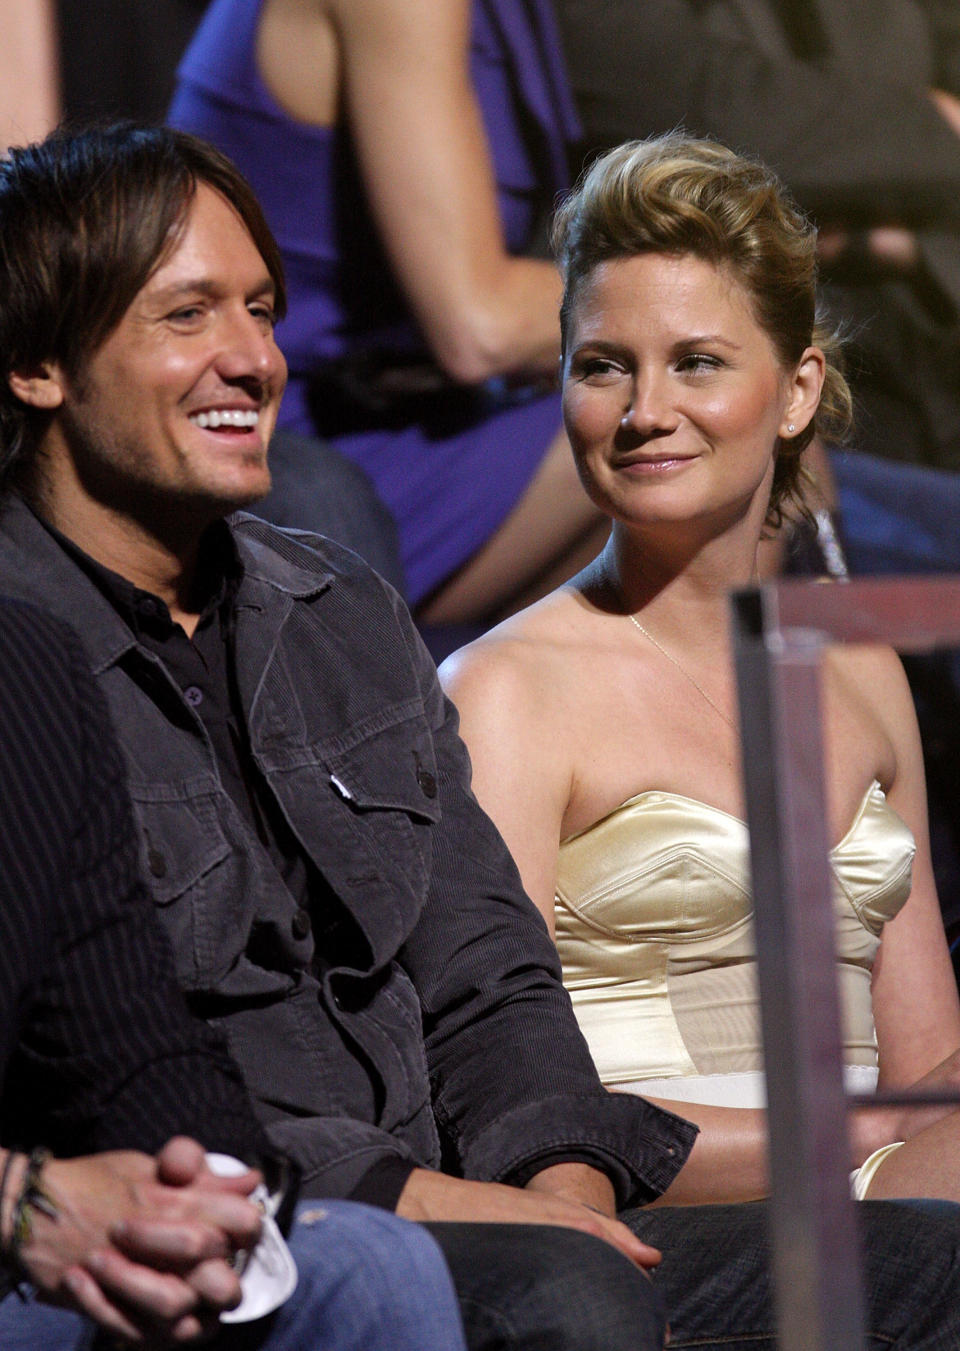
655 933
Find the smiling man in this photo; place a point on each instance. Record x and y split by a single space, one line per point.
161 426
299 793
339 906
170 417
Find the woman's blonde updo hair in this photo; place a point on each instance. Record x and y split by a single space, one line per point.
673 194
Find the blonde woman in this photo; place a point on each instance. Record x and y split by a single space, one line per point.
601 721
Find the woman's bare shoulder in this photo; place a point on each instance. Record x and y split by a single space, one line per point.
515 692
870 711
873 672
526 660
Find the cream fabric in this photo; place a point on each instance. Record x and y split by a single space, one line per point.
654 929
861 1177
746 1089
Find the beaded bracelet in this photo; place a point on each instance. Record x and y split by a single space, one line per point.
4 1179
32 1196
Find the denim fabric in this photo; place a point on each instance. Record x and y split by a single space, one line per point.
715 1275
536 1288
421 1014
897 518
367 1282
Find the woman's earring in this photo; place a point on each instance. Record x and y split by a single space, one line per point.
791 427
625 420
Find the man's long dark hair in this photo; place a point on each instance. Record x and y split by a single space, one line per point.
85 218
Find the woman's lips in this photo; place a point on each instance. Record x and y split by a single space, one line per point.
661 464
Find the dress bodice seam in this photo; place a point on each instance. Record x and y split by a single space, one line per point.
859 902
872 788
678 854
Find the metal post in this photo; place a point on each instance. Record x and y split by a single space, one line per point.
816 1269
779 631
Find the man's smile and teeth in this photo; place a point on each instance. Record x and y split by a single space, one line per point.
227 419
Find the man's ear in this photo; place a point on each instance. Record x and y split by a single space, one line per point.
41 386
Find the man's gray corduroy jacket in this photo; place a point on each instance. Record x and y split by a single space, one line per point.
421 1014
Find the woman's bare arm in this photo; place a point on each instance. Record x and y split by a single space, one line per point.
425 161
915 1004
521 767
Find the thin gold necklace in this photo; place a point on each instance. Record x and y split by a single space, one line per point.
669 656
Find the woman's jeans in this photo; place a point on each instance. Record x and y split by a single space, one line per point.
716 1283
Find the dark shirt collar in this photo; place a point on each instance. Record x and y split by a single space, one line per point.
218 575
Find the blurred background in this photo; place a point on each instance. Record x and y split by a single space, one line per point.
856 103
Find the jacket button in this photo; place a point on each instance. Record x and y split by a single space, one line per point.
427 782
300 924
157 863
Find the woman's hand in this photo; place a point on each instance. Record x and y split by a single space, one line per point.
948 106
892 246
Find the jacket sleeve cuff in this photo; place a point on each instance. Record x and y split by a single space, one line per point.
640 1147
382 1183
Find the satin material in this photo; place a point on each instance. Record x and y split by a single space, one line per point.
655 932
745 1089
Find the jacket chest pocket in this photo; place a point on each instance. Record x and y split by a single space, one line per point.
369 821
185 861
392 769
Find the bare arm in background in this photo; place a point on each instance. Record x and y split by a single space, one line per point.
398 71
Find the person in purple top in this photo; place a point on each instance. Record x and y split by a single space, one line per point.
408 154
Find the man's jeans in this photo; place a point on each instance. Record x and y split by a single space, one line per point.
370 1282
715 1276
367 1282
529 1287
